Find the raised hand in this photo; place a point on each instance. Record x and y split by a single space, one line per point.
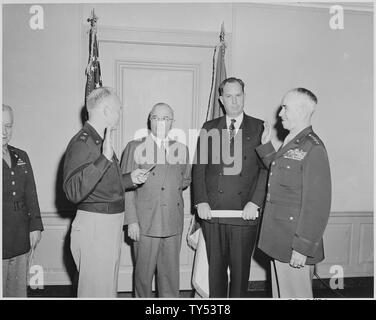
107 149
267 134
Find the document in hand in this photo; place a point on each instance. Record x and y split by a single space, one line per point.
226 213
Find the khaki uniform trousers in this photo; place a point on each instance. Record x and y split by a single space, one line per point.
15 276
289 282
96 244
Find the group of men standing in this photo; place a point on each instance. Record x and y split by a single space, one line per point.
290 187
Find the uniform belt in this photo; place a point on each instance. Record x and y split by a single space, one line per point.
102 207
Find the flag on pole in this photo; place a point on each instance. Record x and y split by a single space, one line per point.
93 69
215 108
200 275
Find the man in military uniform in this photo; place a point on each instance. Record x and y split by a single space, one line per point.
22 223
298 199
93 180
155 211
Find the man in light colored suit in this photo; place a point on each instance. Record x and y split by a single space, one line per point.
154 211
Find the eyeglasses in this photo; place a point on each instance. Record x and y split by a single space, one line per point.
155 118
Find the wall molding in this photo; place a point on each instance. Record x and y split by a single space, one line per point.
148 36
349 7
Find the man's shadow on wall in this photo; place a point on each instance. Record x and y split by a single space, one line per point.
67 210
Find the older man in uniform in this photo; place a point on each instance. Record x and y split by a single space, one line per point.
155 211
93 180
298 200
22 223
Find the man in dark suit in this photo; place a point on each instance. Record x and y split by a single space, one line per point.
22 223
221 185
155 210
298 201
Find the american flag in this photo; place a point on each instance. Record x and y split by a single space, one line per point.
215 108
93 69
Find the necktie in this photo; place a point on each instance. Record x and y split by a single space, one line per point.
232 130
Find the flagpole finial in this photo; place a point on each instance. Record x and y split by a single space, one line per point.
222 34
93 18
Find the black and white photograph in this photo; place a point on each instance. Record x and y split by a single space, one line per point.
193 151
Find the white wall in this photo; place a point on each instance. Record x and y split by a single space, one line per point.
274 48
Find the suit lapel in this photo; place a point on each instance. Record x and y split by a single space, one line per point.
13 158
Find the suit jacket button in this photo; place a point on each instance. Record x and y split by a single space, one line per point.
291 218
162 188
220 191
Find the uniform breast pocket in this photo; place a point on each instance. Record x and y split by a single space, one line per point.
290 175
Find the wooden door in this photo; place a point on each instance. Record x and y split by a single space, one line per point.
147 68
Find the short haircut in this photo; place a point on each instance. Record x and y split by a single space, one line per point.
161 104
230 80
97 96
306 93
9 109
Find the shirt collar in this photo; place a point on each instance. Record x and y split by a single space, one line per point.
238 119
158 141
302 134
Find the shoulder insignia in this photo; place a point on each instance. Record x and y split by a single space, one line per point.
314 138
83 136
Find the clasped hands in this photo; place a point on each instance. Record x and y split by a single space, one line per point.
250 211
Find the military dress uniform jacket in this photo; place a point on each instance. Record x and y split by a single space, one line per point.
21 213
298 201
231 192
157 205
90 179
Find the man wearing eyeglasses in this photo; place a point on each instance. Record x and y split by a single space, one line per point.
154 211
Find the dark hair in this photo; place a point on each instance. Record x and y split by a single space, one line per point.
230 80
307 93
